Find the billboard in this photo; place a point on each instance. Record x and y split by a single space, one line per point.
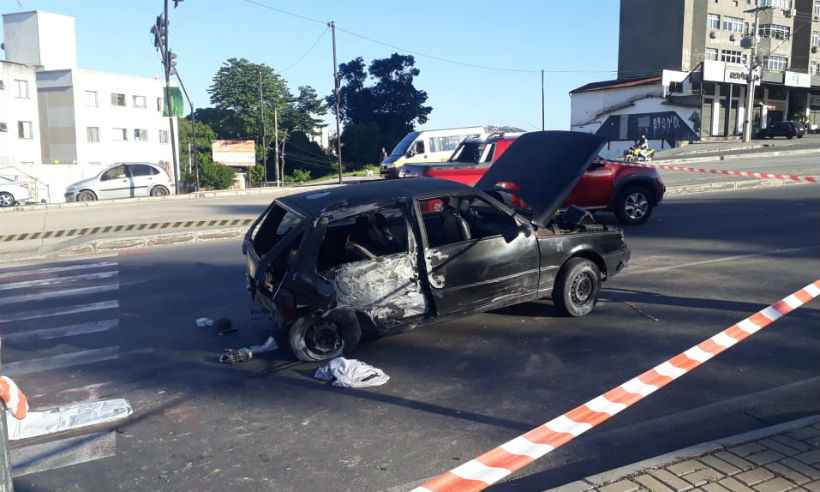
234 153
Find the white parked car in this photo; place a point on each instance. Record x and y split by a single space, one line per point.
121 181
12 193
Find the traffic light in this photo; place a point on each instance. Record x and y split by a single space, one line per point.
158 30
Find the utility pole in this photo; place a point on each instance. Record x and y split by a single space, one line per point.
542 100
264 129
750 87
167 59
276 174
332 26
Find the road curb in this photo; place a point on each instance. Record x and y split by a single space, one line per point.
108 246
610 476
748 155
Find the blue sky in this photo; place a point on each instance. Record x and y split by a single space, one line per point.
530 34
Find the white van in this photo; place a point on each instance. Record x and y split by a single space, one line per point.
429 146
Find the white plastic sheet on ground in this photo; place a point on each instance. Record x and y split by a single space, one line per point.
351 373
67 417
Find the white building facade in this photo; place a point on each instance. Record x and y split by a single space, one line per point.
19 119
79 117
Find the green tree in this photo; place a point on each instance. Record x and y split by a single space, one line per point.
302 153
392 104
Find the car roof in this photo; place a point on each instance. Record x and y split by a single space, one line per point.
312 203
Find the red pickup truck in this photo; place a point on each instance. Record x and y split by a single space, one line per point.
631 192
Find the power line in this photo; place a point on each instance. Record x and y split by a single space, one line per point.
421 54
309 50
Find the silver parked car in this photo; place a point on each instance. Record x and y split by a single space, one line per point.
12 193
121 181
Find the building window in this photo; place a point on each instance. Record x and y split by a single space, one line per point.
711 54
22 89
117 99
815 38
4 128
815 69
775 31
140 135
2 85
91 100
713 21
24 130
119 134
92 134
159 104
731 56
163 136
778 4
139 102
775 63
732 24
817 8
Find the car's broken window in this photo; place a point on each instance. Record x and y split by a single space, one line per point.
454 219
277 224
363 237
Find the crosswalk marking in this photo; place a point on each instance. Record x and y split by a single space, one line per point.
59 293
61 361
59 311
44 271
52 281
63 331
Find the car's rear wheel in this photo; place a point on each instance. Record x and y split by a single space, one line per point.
634 205
6 199
86 196
576 288
160 191
316 339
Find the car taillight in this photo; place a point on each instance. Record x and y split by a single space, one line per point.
508 186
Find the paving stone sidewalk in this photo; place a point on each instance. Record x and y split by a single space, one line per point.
782 458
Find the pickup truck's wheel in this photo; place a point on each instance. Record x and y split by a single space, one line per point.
316 339
576 288
633 205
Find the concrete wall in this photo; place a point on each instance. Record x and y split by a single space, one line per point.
41 39
48 182
13 109
651 37
588 106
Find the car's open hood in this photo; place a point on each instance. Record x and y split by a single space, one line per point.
544 167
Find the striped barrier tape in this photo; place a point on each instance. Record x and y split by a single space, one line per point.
747 174
84 231
494 465
13 396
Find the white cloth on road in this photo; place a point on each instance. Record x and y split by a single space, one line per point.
351 373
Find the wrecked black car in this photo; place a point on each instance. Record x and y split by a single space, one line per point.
372 259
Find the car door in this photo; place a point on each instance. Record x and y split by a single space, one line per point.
594 188
115 183
142 177
476 253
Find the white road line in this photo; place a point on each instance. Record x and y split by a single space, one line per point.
59 293
59 311
61 361
63 331
719 260
58 280
69 268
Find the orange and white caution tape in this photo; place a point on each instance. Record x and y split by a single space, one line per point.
13 396
722 172
494 465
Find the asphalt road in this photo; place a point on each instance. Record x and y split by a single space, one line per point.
457 389
800 165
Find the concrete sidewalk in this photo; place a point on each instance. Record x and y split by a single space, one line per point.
710 151
781 458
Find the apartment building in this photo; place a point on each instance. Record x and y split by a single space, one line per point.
82 116
712 39
19 120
